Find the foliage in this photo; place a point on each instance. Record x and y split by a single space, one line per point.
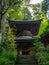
7 49
27 15
45 4
15 13
42 53
6 4
43 26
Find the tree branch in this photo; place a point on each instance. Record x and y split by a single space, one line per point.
9 7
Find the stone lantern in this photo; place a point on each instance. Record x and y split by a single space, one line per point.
24 31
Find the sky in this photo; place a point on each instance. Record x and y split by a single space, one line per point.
31 11
35 1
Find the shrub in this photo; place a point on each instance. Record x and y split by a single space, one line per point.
7 49
42 53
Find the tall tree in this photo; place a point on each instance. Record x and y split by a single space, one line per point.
4 6
44 5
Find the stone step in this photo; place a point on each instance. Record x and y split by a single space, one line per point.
26 56
26 60
26 64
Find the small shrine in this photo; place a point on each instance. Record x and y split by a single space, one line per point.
24 31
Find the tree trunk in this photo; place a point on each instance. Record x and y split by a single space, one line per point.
3 27
3 21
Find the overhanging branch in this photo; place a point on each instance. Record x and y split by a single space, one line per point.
9 7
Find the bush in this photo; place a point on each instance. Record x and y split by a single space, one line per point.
42 53
7 49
